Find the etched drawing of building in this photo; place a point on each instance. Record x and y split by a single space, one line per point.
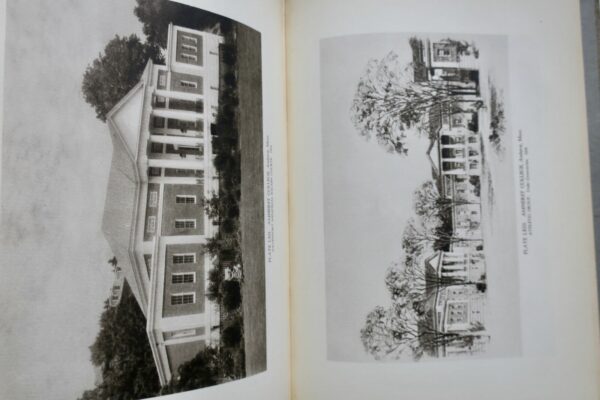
459 269
458 306
452 61
161 172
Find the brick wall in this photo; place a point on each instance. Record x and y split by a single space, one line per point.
191 44
153 192
172 210
196 287
178 86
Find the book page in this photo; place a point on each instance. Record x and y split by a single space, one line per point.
440 201
144 201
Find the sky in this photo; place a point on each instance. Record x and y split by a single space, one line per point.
368 194
55 165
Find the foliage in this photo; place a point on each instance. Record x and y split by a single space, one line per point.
110 76
215 279
399 331
463 47
388 102
202 371
232 294
122 351
497 123
232 335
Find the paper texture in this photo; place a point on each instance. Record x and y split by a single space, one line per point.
63 224
558 355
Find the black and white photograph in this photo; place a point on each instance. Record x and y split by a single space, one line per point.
419 200
132 237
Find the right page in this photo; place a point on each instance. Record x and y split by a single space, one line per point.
440 201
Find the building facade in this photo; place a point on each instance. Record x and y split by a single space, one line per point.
459 270
161 172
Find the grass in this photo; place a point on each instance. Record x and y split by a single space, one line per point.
252 197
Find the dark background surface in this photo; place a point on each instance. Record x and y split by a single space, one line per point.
590 36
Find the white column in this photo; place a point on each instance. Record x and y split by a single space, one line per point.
175 140
177 163
178 180
184 239
187 339
181 322
179 95
457 160
177 114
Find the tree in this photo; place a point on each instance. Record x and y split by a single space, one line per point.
388 102
415 284
436 233
202 371
232 294
428 202
110 76
215 279
398 331
122 351
232 335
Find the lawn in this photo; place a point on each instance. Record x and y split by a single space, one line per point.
252 197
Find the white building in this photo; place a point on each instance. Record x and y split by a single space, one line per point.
162 169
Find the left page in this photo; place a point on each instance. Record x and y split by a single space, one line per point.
142 142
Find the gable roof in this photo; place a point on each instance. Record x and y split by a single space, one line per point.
124 186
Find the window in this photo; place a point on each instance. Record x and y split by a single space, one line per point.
186 277
185 199
185 223
154 171
189 57
183 298
153 201
160 102
151 224
162 79
188 84
189 47
184 258
190 39
156 148
158 122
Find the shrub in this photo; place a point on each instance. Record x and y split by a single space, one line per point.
229 79
232 335
215 279
228 225
232 294
228 54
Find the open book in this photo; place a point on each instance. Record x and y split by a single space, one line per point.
301 199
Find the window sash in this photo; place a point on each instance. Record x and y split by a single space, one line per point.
188 84
185 199
189 47
187 258
183 298
153 202
189 57
185 223
185 277
151 224
190 38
